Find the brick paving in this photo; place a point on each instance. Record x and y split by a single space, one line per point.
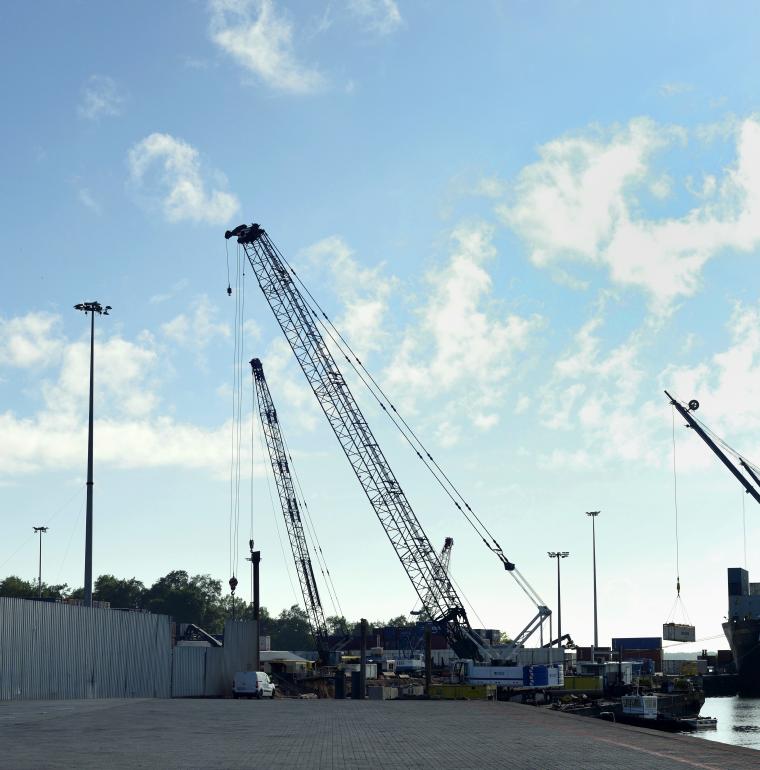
337 734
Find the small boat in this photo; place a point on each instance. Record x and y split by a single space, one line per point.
660 712
699 723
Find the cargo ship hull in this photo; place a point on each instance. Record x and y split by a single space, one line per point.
744 639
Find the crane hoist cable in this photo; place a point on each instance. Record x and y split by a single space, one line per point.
411 437
236 426
678 602
744 530
675 506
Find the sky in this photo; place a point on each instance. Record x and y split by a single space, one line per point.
529 220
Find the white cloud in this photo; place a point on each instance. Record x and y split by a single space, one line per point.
131 429
379 16
32 340
727 384
579 203
294 395
196 329
174 289
363 291
675 88
87 200
178 185
101 97
462 349
595 394
261 40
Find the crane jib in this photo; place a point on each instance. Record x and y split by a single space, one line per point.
289 503
401 525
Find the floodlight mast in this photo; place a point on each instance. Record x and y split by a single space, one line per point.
401 525
93 309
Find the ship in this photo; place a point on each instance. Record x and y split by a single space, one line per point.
742 629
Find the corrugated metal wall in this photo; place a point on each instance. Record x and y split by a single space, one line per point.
209 671
189 672
50 650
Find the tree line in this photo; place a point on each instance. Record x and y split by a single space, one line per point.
193 599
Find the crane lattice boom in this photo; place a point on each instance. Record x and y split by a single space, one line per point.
444 559
378 481
290 509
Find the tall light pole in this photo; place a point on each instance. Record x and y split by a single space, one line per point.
558 555
92 308
593 515
40 531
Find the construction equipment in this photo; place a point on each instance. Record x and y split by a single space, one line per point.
444 558
703 433
299 322
290 510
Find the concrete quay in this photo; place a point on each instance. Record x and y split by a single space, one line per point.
288 733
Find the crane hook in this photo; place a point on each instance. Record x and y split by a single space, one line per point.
229 290
233 584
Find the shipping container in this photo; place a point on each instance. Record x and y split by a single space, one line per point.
678 632
637 643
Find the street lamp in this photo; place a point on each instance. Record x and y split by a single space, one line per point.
92 308
593 515
40 530
558 555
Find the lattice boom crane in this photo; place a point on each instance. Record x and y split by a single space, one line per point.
290 509
378 481
444 558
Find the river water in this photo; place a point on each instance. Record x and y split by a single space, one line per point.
738 721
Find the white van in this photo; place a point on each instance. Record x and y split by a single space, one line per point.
252 684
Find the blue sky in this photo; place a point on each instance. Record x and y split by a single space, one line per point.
527 220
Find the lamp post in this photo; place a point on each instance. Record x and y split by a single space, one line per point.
593 515
558 555
92 308
40 531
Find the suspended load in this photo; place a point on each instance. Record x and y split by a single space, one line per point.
672 631
678 632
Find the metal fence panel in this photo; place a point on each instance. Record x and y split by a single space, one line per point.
52 650
215 684
189 672
239 647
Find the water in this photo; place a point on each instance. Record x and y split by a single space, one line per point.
738 721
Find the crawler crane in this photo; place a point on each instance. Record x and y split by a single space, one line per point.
299 323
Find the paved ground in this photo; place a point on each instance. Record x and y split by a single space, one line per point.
285 733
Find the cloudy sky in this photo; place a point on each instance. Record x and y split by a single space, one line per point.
527 220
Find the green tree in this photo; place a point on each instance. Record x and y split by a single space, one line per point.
188 599
121 593
290 630
19 588
400 620
337 625
236 607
